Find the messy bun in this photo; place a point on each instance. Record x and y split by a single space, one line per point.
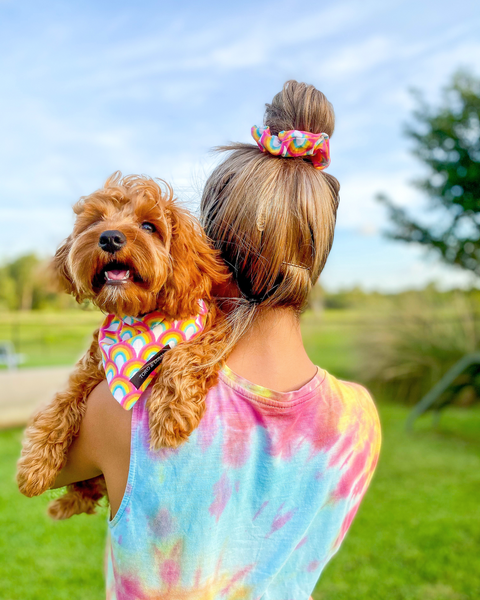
273 218
300 106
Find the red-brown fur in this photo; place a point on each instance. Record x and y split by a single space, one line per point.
174 267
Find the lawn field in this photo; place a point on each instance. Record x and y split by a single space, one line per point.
49 338
416 535
330 338
59 338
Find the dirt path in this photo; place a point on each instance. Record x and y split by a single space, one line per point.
22 391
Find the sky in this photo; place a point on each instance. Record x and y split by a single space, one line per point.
88 88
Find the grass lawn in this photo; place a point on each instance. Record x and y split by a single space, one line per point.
59 338
330 340
49 338
416 536
43 559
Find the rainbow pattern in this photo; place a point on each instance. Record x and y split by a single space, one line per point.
128 343
255 504
295 144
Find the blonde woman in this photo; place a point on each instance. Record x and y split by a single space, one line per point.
259 499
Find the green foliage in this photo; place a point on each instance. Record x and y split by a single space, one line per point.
447 141
405 350
330 340
23 271
316 298
8 298
353 298
26 283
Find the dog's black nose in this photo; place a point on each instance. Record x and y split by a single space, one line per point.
112 241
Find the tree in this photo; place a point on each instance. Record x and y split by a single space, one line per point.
27 283
23 272
447 140
8 298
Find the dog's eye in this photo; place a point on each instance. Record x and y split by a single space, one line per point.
148 227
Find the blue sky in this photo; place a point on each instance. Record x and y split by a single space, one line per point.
149 87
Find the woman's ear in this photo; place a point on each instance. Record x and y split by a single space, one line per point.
194 266
60 268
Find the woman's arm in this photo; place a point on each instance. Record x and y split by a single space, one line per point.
103 444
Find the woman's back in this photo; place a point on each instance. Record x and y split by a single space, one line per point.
260 497
255 504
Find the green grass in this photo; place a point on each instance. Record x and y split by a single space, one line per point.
416 536
330 340
59 338
49 338
42 559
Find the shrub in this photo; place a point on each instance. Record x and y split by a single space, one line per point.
404 352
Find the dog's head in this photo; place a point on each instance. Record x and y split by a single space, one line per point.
134 250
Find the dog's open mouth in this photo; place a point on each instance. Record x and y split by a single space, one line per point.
115 273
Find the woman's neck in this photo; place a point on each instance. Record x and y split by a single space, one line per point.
271 353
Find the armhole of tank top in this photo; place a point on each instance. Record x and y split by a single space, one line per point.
132 466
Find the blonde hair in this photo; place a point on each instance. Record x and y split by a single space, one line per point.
273 218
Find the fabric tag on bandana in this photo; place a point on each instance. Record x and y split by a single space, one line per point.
133 348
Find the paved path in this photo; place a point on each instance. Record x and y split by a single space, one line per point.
23 390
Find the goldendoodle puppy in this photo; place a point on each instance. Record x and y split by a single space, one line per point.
136 254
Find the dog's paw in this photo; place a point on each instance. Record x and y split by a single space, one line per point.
72 503
34 480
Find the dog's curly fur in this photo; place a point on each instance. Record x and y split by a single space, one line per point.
171 267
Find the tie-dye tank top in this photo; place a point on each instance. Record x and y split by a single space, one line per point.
254 505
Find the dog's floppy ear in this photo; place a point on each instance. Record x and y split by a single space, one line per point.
60 268
194 266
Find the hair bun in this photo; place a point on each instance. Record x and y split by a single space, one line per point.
300 106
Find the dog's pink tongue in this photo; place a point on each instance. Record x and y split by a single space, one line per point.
117 274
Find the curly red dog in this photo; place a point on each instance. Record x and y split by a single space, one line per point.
133 250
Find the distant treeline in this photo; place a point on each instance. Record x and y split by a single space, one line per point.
27 283
356 298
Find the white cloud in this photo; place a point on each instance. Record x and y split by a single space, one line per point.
152 99
359 210
376 264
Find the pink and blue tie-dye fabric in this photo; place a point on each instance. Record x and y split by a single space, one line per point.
255 504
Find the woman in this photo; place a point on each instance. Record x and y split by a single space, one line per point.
262 495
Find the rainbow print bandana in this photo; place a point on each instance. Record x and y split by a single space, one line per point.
295 144
133 348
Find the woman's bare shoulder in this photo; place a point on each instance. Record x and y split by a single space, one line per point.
105 412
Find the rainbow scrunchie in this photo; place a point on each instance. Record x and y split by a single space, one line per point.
295 144
132 349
